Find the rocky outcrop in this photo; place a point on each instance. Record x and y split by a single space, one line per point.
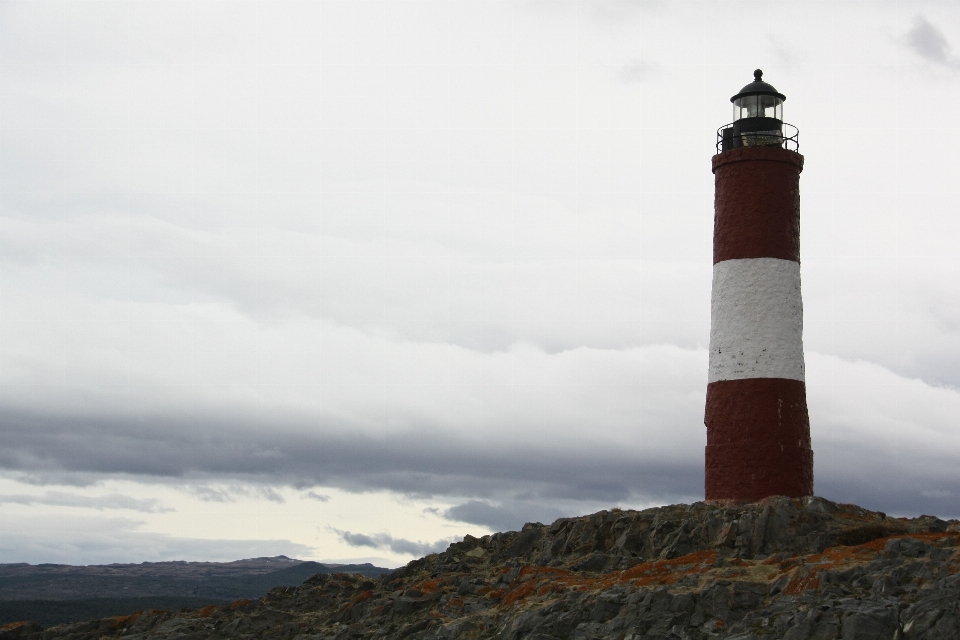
795 569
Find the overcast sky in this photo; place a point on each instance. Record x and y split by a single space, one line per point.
348 279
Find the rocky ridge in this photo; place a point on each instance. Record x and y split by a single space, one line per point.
786 568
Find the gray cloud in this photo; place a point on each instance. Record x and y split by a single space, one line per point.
272 495
423 462
504 517
313 495
230 493
109 501
397 545
928 42
622 13
786 54
512 481
605 13
637 71
209 494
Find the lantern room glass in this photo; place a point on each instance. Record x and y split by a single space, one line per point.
758 107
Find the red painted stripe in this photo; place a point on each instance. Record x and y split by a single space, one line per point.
758 439
757 204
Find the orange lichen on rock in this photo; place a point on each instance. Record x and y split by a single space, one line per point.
807 575
669 571
124 621
521 591
365 595
853 512
880 543
530 572
553 579
837 557
429 586
805 579
655 572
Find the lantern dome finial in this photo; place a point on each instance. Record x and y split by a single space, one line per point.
759 88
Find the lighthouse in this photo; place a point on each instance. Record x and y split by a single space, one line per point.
758 430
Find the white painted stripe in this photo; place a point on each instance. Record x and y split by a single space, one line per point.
756 323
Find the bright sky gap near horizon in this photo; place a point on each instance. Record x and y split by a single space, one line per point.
346 280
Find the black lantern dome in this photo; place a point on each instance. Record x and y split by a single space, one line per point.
757 118
758 88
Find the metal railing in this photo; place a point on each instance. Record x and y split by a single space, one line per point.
788 137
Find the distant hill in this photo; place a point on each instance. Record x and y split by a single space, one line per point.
218 580
55 593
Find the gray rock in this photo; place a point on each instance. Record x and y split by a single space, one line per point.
873 624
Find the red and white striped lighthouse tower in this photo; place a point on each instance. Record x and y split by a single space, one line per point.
758 431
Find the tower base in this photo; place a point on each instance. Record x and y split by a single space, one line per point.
758 440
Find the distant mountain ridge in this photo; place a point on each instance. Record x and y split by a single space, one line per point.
249 578
57 593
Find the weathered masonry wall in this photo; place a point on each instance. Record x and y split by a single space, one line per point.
758 430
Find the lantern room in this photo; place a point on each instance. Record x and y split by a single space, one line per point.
757 119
